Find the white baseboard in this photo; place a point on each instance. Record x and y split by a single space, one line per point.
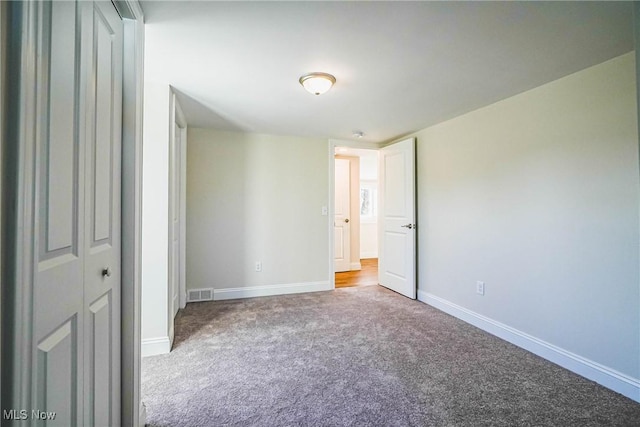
589 369
155 346
269 290
367 255
355 266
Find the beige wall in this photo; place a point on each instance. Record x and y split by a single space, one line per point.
368 229
369 240
354 209
255 197
538 197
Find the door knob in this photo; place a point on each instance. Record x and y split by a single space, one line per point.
409 226
106 272
346 220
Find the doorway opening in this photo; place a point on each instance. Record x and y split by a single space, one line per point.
355 222
396 214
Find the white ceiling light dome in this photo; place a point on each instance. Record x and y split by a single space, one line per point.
317 83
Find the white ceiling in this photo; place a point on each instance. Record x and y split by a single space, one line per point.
400 66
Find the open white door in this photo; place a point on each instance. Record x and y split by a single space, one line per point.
175 221
342 230
397 251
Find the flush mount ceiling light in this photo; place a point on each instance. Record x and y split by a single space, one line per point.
358 134
317 83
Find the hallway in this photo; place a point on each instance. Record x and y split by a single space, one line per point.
365 277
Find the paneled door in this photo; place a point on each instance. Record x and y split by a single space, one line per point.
102 182
397 243
75 354
341 226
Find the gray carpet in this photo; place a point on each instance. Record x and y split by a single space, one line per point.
360 356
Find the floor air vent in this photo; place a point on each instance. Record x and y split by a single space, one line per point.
196 295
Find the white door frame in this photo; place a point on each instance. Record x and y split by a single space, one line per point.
15 380
331 152
133 413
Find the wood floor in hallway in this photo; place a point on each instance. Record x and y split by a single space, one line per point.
367 276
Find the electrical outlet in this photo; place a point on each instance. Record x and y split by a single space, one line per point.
480 288
258 266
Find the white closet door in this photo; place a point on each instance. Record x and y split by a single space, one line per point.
75 356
